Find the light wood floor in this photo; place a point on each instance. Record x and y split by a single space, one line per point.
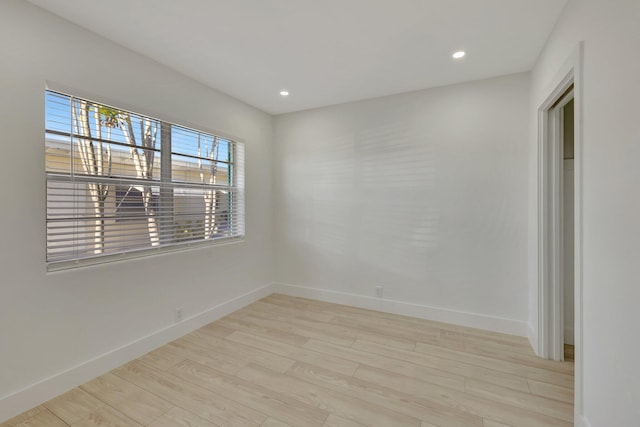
287 361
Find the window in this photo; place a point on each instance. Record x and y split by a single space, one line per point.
123 183
130 203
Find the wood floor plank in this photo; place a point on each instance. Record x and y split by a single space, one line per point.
452 366
178 417
491 423
434 376
217 330
461 401
211 406
74 405
282 336
272 404
302 354
381 327
454 331
551 391
385 398
42 418
163 358
239 354
24 416
442 342
341 404
394 319
340 331
294 362
317 332
531 402
336 421
272 422
134 402
518 357
186 348
537 373
478 335
106 417
472 340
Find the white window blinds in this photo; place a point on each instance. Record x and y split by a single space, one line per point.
123 183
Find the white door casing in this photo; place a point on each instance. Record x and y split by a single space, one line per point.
550 327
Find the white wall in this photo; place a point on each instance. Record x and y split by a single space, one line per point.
611 206
422 193
53 322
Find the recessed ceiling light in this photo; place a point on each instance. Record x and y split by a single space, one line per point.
284 93
459 54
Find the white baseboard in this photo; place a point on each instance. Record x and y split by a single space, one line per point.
533 339
462 318
42 391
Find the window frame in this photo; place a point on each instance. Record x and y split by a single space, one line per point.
235 192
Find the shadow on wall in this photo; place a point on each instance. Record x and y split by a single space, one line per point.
369 197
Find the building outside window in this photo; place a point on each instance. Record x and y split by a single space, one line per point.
124 184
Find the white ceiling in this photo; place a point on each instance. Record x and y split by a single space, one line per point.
323 51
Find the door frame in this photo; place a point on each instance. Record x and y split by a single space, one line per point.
550 334
551 266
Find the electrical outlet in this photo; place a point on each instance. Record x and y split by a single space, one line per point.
178 314
379 291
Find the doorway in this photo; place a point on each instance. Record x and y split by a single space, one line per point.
557 223
568 226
